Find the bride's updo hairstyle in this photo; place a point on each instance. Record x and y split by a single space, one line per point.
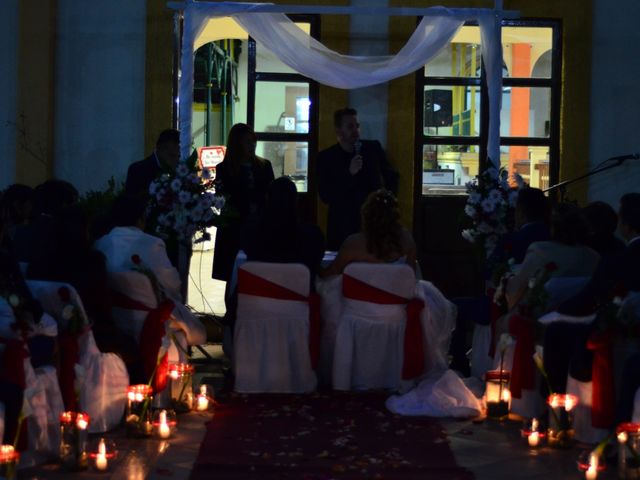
381 225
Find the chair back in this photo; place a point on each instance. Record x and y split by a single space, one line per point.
398 280
272 330
49 296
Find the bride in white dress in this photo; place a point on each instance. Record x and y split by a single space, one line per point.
384 240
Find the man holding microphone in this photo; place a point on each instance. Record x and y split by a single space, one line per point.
347 173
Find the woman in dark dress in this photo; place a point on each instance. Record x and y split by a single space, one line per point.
243 178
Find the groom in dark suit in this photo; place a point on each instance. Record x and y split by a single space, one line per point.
165 157
347 173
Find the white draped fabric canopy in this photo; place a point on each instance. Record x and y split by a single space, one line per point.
301 52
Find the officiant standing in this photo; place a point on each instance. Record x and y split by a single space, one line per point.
347 173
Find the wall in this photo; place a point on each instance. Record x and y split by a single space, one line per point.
35 91
9 22
100 90
615 97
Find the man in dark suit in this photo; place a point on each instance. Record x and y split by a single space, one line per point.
532 225
165 157
564 343
347 173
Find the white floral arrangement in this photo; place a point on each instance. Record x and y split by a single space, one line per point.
491 201
185 202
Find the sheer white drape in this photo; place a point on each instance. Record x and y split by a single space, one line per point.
309 57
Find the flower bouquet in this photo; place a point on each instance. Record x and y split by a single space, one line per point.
184 201
490 205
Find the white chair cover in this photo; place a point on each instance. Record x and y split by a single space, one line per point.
584 430
101 378
560 289
183 324
370 337
43 401
271 339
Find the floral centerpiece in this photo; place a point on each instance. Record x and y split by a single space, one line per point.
184 201
491 203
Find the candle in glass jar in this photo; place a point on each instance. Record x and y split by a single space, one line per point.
202 401
101 458
592 471
82 423
534 436
163 429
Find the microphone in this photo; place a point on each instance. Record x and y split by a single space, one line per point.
358 147
622 158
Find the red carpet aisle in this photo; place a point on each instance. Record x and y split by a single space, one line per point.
321 437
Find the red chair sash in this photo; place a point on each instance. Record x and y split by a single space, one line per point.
413 360
153 330
251 284
13 358
603 394
523 369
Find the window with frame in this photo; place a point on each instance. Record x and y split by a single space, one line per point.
282 106
452 121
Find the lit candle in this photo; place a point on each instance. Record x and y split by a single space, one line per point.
592 471
622 437
163 428
203 400
81 422
534 436
506 395
569 403
101 458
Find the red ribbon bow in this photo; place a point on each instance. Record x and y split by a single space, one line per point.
153 331
603 399
413 361
251 284
523 369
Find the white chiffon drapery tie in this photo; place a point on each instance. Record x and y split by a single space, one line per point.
309 57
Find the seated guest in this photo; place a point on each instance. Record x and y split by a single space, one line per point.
564 343
619 270
382 240
49 198
603 221
279 237
126 239
73 261
567 250
532 225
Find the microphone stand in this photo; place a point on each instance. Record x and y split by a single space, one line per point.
562 186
